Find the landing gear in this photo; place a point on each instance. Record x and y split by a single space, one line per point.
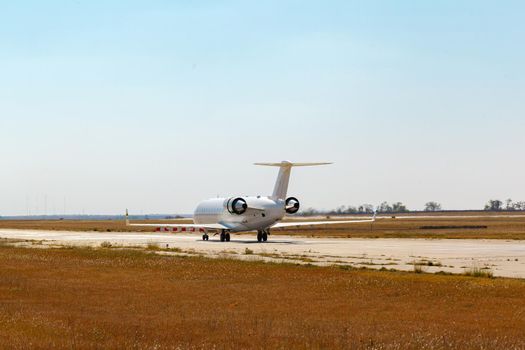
225 236
205 237
262 236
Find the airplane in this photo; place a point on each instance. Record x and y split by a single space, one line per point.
249 213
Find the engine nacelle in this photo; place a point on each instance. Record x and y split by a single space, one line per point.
236 206
292 205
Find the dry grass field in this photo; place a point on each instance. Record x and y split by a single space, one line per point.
81 225
512 227
115 299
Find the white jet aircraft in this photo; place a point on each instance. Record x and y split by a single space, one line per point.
243 214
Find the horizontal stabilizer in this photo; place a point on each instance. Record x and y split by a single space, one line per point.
283 178
285 163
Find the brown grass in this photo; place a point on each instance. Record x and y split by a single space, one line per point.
479 272
82 225
497 228
104 298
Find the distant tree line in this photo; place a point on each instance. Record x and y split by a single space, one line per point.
396 207
399 207
341 210
432 206
497 205
384 207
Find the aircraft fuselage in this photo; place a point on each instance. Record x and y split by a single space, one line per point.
260 213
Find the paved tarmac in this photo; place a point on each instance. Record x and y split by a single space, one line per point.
502 257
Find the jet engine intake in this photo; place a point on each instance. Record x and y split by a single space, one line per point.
236 206
292 205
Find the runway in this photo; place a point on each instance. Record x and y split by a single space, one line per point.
502 257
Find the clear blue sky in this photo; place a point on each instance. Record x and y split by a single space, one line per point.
155 105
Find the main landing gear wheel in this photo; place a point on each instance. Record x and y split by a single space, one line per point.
262 236
225 236
205 237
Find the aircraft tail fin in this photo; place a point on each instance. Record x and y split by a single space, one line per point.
283 178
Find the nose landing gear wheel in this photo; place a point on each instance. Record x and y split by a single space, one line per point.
223 237
264 236
205 237
259 237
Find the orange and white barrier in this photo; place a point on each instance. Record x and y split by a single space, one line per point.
180 229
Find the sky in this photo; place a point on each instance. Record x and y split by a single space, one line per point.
156 105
